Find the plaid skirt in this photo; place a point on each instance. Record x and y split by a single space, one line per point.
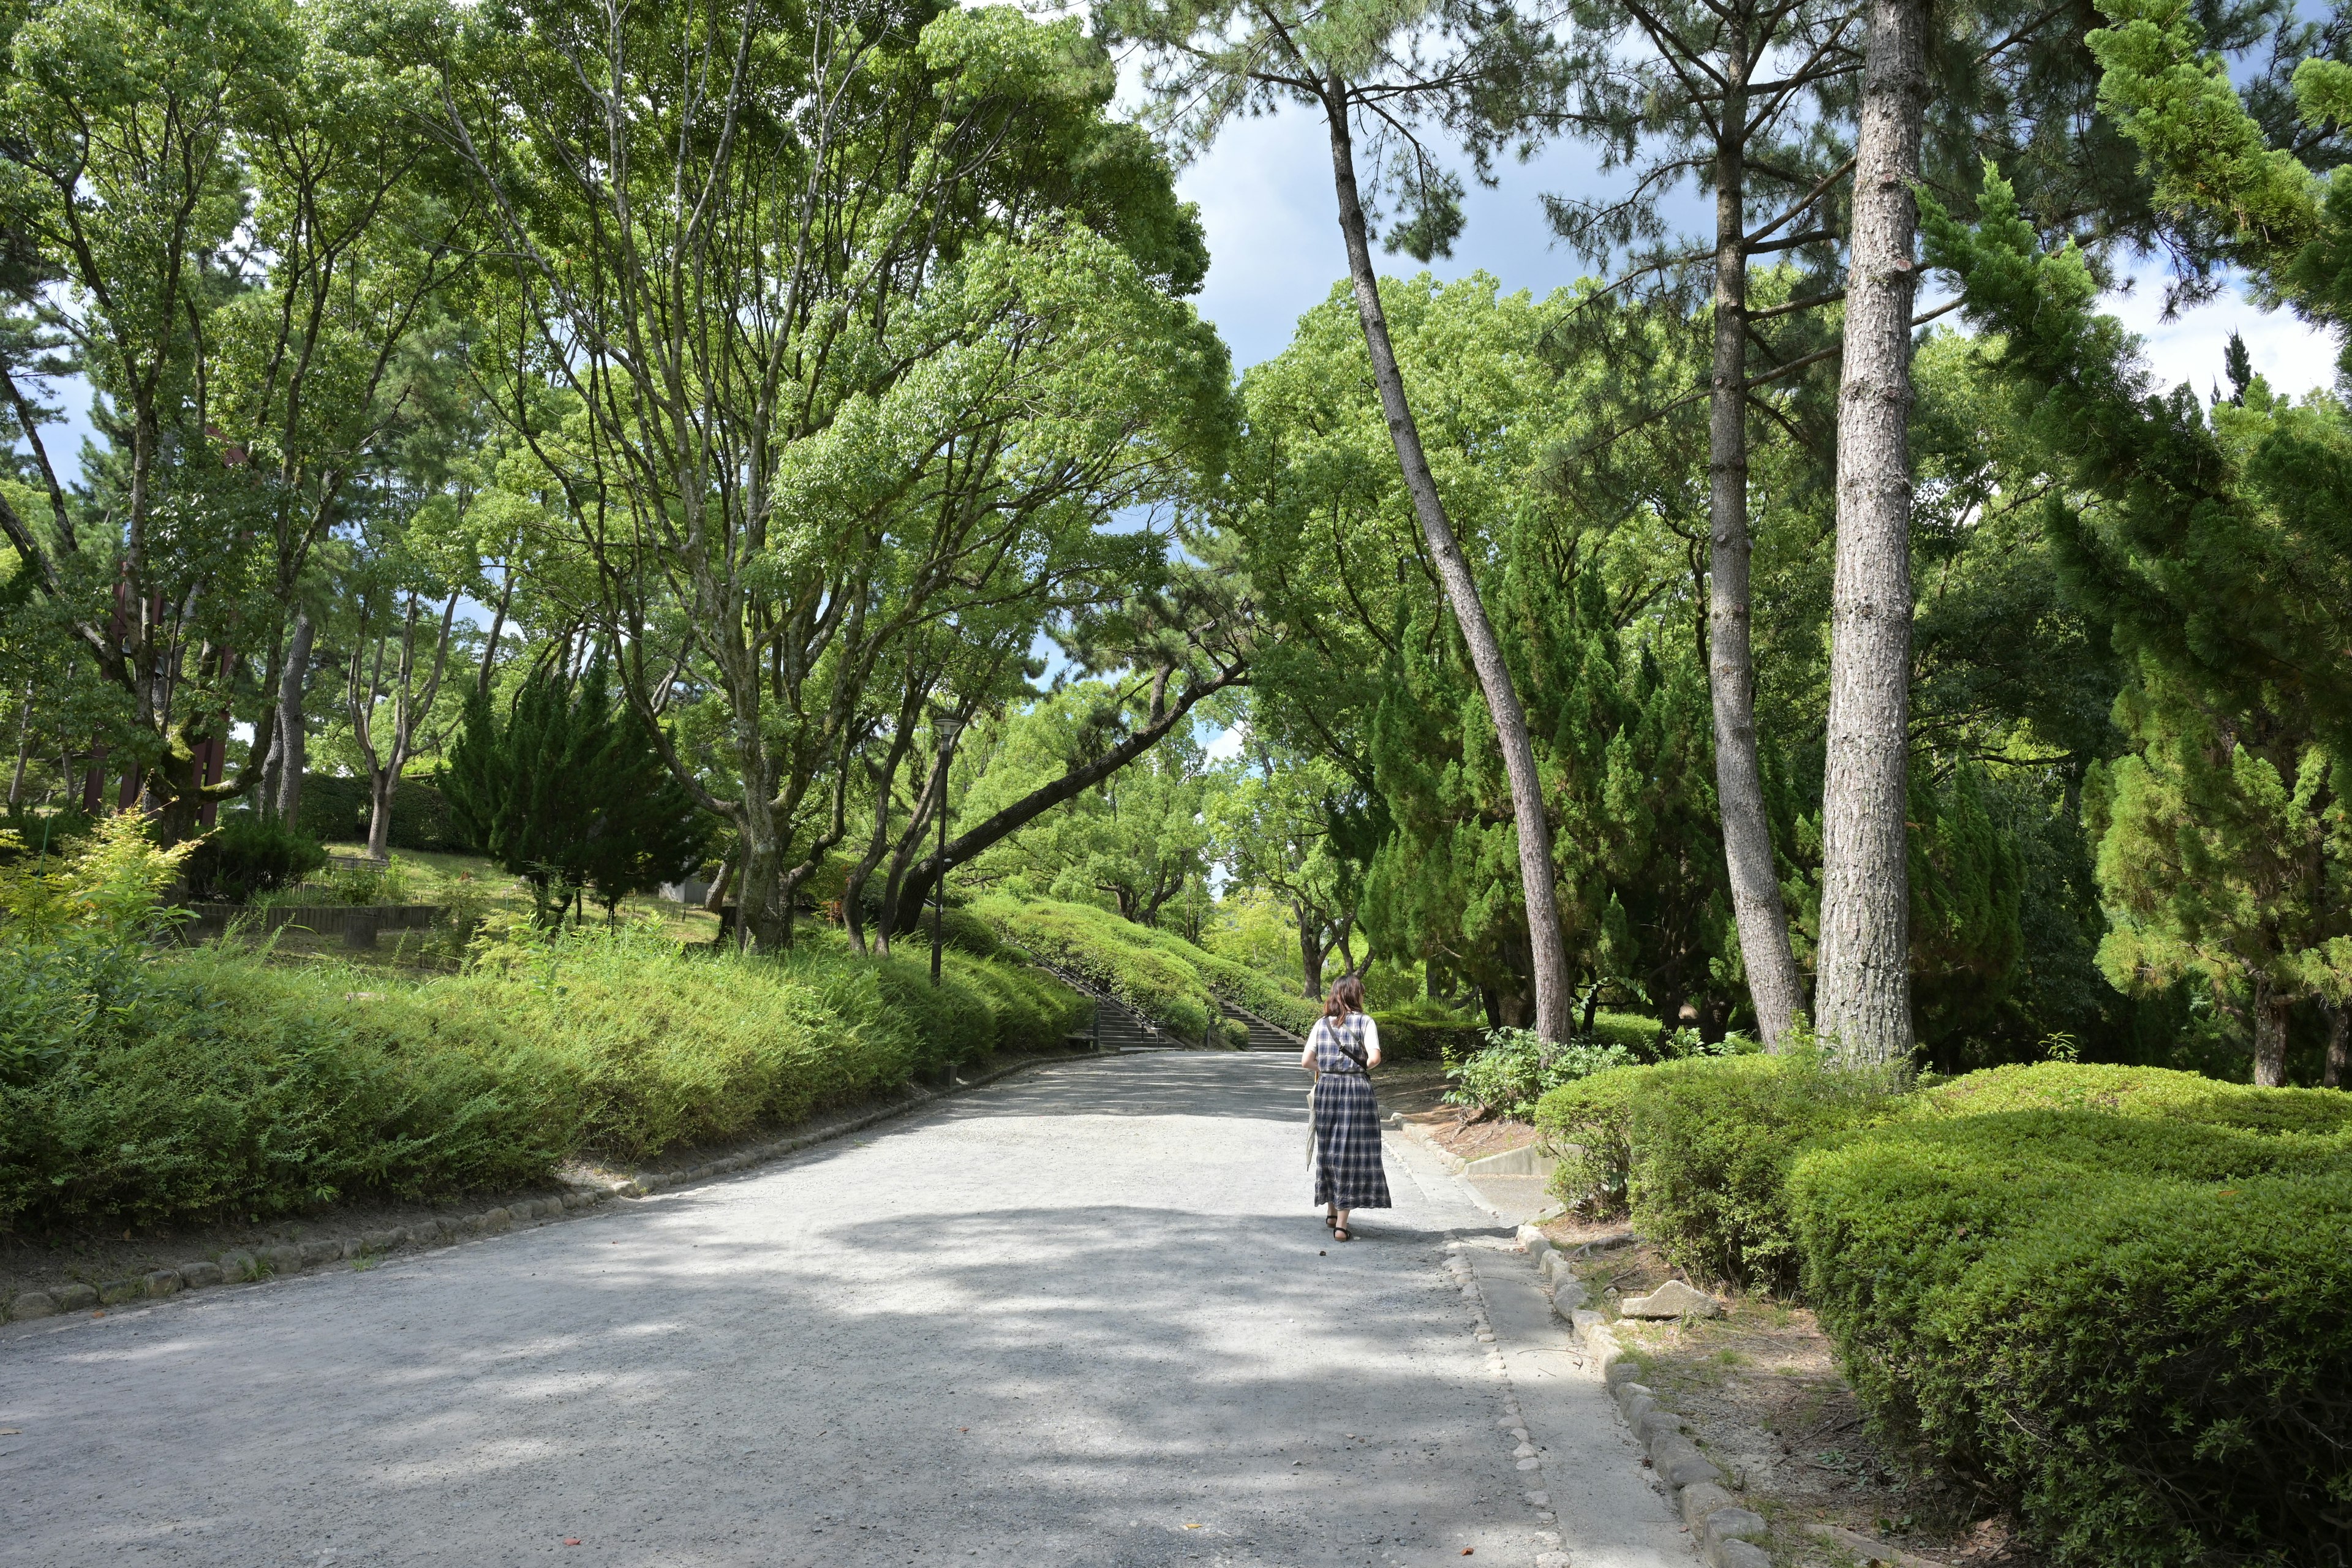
1348 1172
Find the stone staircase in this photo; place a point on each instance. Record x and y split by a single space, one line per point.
1117 1027
1264 1035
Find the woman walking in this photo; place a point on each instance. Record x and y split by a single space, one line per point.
1341 1051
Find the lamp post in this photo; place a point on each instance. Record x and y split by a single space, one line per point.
947 725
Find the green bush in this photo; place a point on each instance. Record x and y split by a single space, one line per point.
1417 1037
1587 1124
1711 1143
2140 1091
247 854
1636 1032
2109 1298
1514 1068
154 1087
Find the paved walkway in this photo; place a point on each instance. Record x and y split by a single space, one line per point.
1076 1317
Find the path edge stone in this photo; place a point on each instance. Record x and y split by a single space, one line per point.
1727 1534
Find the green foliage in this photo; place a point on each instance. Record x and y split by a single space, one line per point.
1157 972
1409 1036
1712 1143
147 1087
250 854
1107 952
1514 1068
334 810
569 794
2115 1300
1587 1123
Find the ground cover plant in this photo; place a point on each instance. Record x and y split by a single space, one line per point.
1157 972
152 1085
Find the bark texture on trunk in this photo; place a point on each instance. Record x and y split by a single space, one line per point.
1549 950
2340 1044
1862 988
1773 982
2270 1036
292 740
1311 950
24 749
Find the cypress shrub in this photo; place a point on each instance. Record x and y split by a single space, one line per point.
2125 1312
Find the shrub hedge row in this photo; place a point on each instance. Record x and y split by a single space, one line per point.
148 1090
2117 1300
1157 972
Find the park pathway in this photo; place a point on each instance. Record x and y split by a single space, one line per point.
1076 1317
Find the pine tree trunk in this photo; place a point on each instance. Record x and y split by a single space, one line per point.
23 750
1549 950
1862 989
2340 1044
1773 982
2270 1036
291 739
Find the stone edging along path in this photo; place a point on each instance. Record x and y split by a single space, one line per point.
1724 1533
241 1265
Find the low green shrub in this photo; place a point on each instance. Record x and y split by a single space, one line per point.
1712 1140
2140 1091
247 854
2111 1299
1514 1068
1587 1125
1635 1032
1418 1037
157 1087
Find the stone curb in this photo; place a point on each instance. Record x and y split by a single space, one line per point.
241 1266
1726 1534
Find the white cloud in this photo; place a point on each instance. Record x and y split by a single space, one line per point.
2289 354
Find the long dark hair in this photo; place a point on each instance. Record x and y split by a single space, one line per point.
1347 996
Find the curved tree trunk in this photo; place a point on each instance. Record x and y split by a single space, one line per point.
1549 950
1862 988
1773 982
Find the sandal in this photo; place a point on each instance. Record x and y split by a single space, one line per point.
1339 1233
1330 1222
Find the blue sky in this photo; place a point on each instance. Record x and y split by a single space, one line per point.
1264 191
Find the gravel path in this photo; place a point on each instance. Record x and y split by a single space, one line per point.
1083 1317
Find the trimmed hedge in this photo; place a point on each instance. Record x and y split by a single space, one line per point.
2129 1317
1410 1037
1699 1152
151 1089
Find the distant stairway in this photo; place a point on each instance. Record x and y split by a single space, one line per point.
1264 1035
1118 1026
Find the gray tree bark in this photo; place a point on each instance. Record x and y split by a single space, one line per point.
1862 988
291 737
1773 982
1549 948
24 749
2270 1036
2340 1044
